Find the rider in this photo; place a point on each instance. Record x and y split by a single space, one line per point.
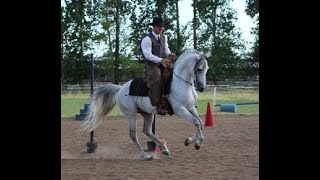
156 55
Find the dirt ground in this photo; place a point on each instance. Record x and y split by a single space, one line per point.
230 150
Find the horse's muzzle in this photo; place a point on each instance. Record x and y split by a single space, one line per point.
200 86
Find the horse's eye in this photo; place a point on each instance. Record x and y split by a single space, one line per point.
199 70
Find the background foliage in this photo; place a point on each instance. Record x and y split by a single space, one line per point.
120 24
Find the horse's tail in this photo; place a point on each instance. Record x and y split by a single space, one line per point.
102 102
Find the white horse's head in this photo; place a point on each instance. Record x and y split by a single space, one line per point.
197 65
200 71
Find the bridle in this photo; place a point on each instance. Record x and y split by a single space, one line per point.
182 79
195 69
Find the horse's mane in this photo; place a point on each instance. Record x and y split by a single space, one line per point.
191 51
188 52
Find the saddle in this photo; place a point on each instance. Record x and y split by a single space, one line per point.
138 87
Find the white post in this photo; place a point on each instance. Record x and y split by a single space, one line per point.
214 98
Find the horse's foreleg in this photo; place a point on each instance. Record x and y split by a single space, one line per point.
201 124
199 138
192 117
133 135
200 127
147 129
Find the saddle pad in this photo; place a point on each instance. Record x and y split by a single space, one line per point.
138 87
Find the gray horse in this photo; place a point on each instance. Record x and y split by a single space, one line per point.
190 67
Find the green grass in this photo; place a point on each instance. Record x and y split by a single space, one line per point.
72 103
230 96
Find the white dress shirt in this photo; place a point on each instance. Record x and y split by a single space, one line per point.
146 46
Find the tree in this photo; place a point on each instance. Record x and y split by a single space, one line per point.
252 10
85 25
252 7
195 24
116 10
62 41
79 34
143 12
217 33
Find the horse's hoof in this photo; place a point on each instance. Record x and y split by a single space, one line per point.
148 158
165 152
186 142
197 146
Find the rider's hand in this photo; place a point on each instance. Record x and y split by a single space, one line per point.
165 61
172 56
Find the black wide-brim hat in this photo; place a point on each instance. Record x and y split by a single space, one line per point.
158 21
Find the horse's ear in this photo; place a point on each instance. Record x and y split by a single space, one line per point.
208 54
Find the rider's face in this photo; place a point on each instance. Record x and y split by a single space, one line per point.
158 29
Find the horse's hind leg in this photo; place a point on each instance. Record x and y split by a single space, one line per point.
147 129
133 135
127 105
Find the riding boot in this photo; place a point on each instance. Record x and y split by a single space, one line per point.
161 111
153 74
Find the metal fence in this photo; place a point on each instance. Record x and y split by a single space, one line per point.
86 88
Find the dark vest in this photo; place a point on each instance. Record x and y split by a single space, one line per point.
157 48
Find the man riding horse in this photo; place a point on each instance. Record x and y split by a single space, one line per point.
157 57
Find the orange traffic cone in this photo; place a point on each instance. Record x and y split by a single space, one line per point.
209 116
